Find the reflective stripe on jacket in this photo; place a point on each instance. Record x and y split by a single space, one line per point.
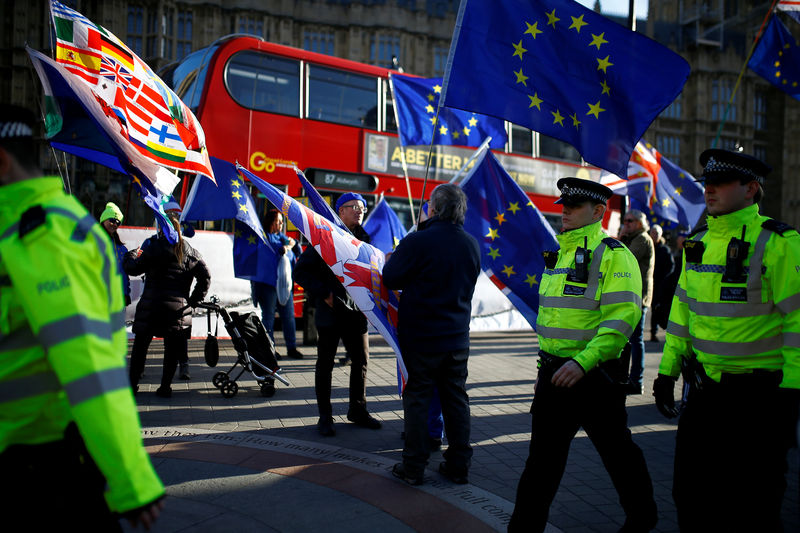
591 327
62 338
737 327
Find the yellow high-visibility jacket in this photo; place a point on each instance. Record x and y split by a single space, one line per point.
589 322
62 338
738 327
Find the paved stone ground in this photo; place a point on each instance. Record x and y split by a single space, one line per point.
501 379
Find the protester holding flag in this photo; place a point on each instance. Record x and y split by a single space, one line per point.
279 296
110 219
436 267
635 236
165 307
338 318
590 301
71 448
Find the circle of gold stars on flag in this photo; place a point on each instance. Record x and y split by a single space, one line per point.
495 252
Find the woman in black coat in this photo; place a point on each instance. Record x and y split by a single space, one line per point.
165 307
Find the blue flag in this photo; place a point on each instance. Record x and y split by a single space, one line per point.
384 228
561 69
417 100
777 58
511 232
318 203
656 186
252 258
228 198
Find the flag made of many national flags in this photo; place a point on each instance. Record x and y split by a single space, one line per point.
561 69
791 8
417 100
356 264
777 58
511 232
384 227
80 123
229 198
659 188
155 121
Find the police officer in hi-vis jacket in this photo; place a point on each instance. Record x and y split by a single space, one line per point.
590 300
71 452
734 331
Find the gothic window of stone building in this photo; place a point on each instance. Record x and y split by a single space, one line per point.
669 146
251 24
721 91
322 42
183 34
760 111
439 60
135 39
675 109
382 48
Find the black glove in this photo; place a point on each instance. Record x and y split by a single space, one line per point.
664 391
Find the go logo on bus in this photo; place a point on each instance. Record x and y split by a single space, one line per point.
259 161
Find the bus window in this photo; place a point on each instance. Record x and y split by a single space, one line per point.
188 77
521 140
555 149
342 97
391 123
264 83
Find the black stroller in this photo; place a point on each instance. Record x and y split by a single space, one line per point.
256 352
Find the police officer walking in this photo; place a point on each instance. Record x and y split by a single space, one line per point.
734 330
70 442
590 300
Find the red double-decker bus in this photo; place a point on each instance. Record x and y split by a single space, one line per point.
270 106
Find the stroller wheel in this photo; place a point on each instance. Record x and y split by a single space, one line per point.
230 389
268 389
220 379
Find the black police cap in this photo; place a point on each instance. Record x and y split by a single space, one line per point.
16 122
721 166
577 190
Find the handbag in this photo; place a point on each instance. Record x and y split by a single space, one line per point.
283 284
211 348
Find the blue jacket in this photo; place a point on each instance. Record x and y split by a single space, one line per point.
436 267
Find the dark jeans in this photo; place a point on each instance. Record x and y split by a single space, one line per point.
266 297
176 350
447 373
599 408
730 458
356 344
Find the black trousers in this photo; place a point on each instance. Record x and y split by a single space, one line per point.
598 406
730 456
176 350
447 372
356 343
48 486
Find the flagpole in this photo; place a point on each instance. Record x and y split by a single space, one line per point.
402 152
770 11
472 158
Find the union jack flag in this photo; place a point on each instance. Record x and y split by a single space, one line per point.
356 264
111 69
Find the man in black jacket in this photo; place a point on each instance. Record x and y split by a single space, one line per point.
337 317
436 268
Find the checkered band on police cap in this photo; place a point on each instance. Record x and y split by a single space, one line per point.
723 165
15 122
580 190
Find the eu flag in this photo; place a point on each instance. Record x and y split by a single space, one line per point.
511 232
384 228
659 188
252 258
561 69
417 100
777 58
228 198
